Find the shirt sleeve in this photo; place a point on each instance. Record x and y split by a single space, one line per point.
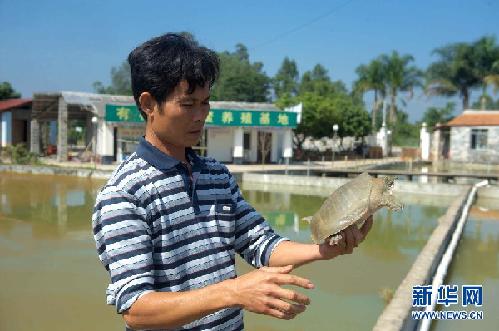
123 240
255 239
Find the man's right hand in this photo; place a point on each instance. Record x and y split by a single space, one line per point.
260 292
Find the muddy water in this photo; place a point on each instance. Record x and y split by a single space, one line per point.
51 279
476 262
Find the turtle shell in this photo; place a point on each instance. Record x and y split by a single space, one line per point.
347 205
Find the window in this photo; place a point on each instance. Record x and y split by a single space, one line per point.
479 139
247 141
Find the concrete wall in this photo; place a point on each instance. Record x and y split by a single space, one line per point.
324 192
220 144
460 145
105 138
6 129
250 155
48 170
274 150
489 192
328 184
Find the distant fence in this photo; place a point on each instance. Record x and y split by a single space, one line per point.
410 153
361 152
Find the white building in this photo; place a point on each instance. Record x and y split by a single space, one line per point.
472 137
14 121
234 131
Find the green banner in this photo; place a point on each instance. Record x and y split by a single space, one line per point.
116 113
216 117
233 117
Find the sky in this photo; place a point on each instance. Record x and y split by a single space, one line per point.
67 45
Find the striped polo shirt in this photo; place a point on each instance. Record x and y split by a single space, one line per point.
160 226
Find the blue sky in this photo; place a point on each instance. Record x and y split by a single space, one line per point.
67 45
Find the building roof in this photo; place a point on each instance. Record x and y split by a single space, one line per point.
8 104
476 118
46 102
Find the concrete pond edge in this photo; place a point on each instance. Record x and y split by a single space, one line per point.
397 314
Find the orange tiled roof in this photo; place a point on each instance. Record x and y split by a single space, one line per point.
476 118
13 103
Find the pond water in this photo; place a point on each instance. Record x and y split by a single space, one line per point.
51 278
476 262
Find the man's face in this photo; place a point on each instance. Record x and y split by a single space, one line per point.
181 119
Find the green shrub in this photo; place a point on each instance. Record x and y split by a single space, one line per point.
19 154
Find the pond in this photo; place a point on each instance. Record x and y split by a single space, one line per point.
476 262
51 278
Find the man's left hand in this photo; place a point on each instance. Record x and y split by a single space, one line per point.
351 238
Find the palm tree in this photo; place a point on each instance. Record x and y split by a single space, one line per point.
486 65
399 76
454 73
371 78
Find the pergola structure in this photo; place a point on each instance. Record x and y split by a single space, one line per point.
64 106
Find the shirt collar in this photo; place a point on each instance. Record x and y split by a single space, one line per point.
162 161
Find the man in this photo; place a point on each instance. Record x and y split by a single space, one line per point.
168 222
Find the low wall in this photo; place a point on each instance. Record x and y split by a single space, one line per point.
311 185
307 185
406 199
488 192
329 184
49 170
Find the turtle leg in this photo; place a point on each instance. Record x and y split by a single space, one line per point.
390 202
335 239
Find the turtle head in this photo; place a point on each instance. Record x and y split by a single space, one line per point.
388 183
388 197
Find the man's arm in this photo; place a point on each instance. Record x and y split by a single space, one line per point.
298 254
258 291
165 310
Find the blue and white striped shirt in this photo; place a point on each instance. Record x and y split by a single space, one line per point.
159 227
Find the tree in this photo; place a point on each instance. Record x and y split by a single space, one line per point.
7 92
285 81
403 132
286 100
485 55
371 78
242 52
453 73
121 80
354 118
326 103
121 83
318 81
486 103
399 76
264 145
434 115
240 80
320 113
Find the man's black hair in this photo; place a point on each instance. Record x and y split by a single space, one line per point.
160 64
